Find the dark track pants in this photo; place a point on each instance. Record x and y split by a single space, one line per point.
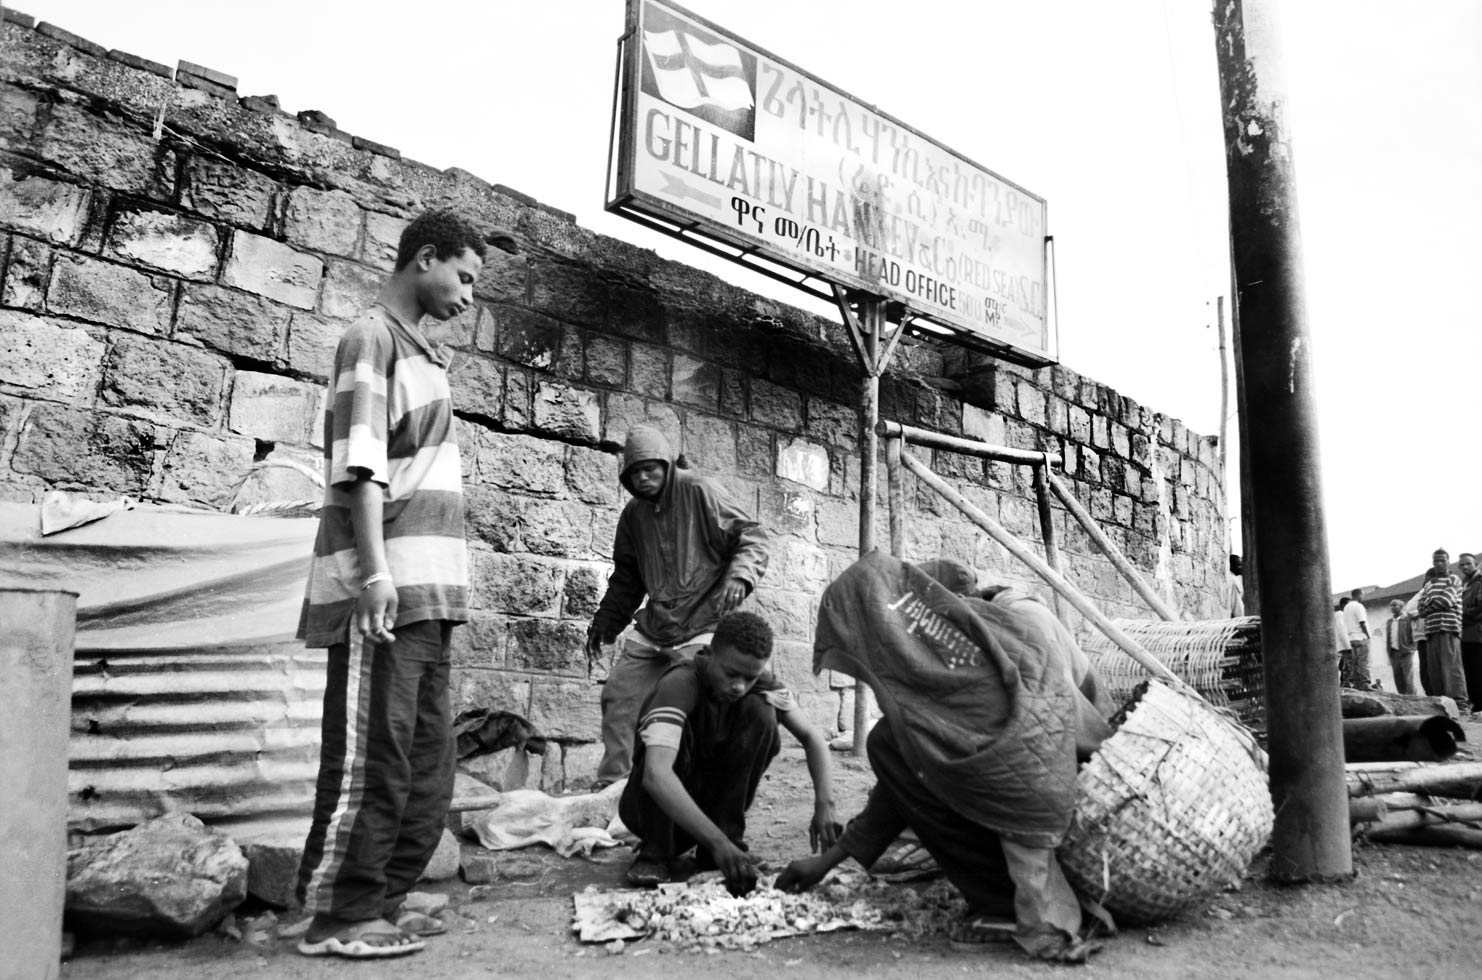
723 753
385 773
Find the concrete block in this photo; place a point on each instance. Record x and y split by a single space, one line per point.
567 413
648 369
481 641
548 646
94 150
272 269
203 469
517 585
803 462
60 363
266 406
311 344
26 275
165 378
325 221
592 476
349 289
776 406
102 292
48 209
585 585
382 236
833 424
227 192
710 443
520 463
237 323
528 338
566 709
87 449
979 423
170 242
557 528
695 382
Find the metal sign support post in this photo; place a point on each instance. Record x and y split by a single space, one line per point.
1311 839
866 330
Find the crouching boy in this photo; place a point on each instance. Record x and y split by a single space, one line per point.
706 734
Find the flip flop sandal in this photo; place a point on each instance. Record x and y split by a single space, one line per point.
647 873
421 924
353 942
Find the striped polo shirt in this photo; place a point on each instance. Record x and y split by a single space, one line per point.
389 415
1440 600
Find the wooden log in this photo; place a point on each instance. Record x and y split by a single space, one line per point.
1457 780
1435 835
1375 704
1366 809
1403 812
1423 738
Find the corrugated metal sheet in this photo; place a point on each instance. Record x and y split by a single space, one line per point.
228 733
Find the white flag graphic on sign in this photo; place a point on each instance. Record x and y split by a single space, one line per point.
691 73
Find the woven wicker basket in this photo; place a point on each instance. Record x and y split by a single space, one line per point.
1170 809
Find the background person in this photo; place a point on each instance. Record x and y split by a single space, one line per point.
687 547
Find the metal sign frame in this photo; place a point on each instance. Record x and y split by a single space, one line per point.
800 260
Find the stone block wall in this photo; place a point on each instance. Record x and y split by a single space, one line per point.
177 263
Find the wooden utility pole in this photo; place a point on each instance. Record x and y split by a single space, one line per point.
1310 841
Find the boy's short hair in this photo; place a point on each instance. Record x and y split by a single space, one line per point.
746 632
445 230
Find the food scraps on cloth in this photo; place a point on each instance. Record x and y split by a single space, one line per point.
701 915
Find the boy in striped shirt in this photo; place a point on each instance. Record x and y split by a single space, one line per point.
388 581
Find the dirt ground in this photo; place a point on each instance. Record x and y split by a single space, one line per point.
1408 912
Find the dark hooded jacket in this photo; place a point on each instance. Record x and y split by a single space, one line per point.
679 551
984 710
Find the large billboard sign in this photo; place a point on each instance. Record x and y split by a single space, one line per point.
720 139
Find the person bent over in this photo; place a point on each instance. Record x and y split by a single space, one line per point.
686 546
986 710
706 734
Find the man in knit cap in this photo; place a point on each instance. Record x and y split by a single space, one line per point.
687 547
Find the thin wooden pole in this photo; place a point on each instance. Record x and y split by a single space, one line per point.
1047 532
1310 840
1056 581
1129 572
872 320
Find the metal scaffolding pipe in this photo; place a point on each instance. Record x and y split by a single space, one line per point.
1055 580
1129 572
969 447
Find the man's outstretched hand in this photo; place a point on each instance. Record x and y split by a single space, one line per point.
736 866
803 874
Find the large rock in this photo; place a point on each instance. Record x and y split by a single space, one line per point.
171 877
272 869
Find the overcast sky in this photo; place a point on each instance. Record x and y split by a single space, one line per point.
1109 111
